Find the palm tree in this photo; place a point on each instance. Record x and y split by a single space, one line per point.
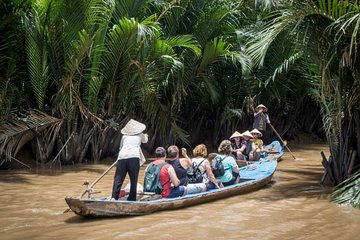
12 84
76 56
180 66
322 36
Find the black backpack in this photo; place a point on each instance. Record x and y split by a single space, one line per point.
152 178
194 173
217 167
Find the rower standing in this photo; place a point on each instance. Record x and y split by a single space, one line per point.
261 119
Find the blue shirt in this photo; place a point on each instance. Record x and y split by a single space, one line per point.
229 164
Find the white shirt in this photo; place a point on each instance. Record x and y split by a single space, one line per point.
130 145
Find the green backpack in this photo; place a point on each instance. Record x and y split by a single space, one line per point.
152 178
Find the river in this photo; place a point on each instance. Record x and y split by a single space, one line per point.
293 206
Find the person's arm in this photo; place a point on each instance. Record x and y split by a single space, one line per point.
186 161
267 118
210 174
261 145
121 143
254 147
234 166
144 137
242 148
173 178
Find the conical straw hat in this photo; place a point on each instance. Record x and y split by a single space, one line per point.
133 127
256 131
247 134
235 134
261 106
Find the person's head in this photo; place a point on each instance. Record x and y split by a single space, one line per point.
160 152
225 147
256 133
211 156
236 137
247 135
200 151
173 152
261 108
133 127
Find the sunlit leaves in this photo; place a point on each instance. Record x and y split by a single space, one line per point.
348 192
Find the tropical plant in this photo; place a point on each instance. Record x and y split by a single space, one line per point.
321 33
12 64
79 51
348 192
180 66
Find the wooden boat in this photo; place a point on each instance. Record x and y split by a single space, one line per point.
274 151
253 177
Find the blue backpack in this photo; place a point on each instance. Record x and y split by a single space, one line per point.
152 178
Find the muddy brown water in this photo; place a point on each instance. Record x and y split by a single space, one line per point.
293 206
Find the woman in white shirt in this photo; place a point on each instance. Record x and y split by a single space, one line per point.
130 158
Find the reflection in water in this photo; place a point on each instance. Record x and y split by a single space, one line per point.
293 206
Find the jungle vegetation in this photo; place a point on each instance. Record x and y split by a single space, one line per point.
73 72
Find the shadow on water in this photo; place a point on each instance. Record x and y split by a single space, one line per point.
18 175
83 220
8 177
78 219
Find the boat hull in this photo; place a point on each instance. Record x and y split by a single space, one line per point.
253 177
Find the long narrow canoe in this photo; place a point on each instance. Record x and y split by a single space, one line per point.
253 177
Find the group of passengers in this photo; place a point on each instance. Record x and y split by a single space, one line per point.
248 145
174 175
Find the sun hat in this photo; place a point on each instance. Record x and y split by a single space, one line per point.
254 131
247 134
133 127
235 134
261 106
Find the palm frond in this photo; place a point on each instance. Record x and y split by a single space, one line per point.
37 56
348 192
213 51
131 9
16 132
98 18
217 18
185 41
69 90
259 44
121 57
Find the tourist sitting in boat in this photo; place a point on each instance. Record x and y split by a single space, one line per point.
231 174
200 162
181 166
236 143
257 146
168 179
246 146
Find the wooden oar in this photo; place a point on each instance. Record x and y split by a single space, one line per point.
96 181
282 141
